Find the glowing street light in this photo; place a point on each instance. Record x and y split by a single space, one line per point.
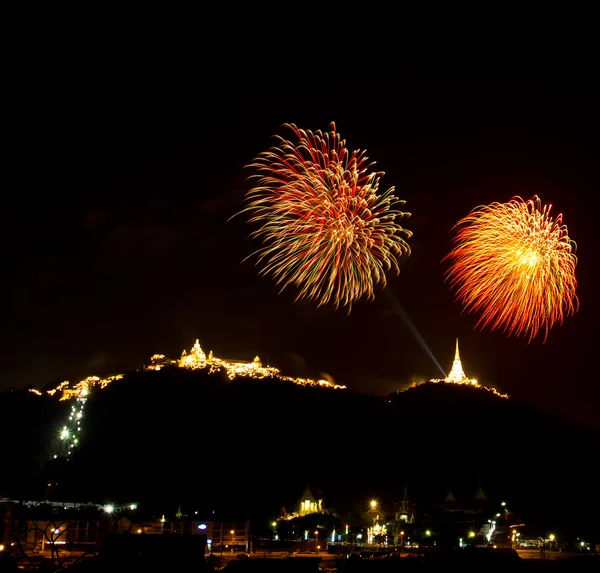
109 508
373 504
401 540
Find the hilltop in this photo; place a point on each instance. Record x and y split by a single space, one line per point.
250 446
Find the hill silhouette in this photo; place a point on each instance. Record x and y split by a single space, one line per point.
249 447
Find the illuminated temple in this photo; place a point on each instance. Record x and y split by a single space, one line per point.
307 505
458 376
197 359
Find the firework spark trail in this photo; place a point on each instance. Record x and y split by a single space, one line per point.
514 265
325 228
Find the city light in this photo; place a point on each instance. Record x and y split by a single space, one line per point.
109 508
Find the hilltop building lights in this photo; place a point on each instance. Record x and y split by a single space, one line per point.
69 435
457 376
79 390
197 359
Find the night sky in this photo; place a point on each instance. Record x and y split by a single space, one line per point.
116 241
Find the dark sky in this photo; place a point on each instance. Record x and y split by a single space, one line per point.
116 243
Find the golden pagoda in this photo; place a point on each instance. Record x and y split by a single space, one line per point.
457 374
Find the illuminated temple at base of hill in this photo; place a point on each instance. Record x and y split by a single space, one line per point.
457 376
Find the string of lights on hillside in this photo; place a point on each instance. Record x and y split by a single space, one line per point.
70 430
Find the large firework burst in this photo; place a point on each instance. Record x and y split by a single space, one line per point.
325 228
514 264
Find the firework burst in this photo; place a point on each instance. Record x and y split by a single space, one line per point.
326 231
514 264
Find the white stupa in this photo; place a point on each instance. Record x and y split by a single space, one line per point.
457 374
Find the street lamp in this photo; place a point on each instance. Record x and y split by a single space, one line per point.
232 531
373 505
401 540
317 540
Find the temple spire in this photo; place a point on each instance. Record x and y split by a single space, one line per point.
456 374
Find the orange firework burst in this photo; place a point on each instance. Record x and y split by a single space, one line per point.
514 264
326 228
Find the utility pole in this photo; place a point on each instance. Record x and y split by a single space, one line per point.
221 543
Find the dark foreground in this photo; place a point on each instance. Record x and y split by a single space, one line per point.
172 555
313 565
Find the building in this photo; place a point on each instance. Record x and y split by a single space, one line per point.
65 526
404 510
309 504
458 376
